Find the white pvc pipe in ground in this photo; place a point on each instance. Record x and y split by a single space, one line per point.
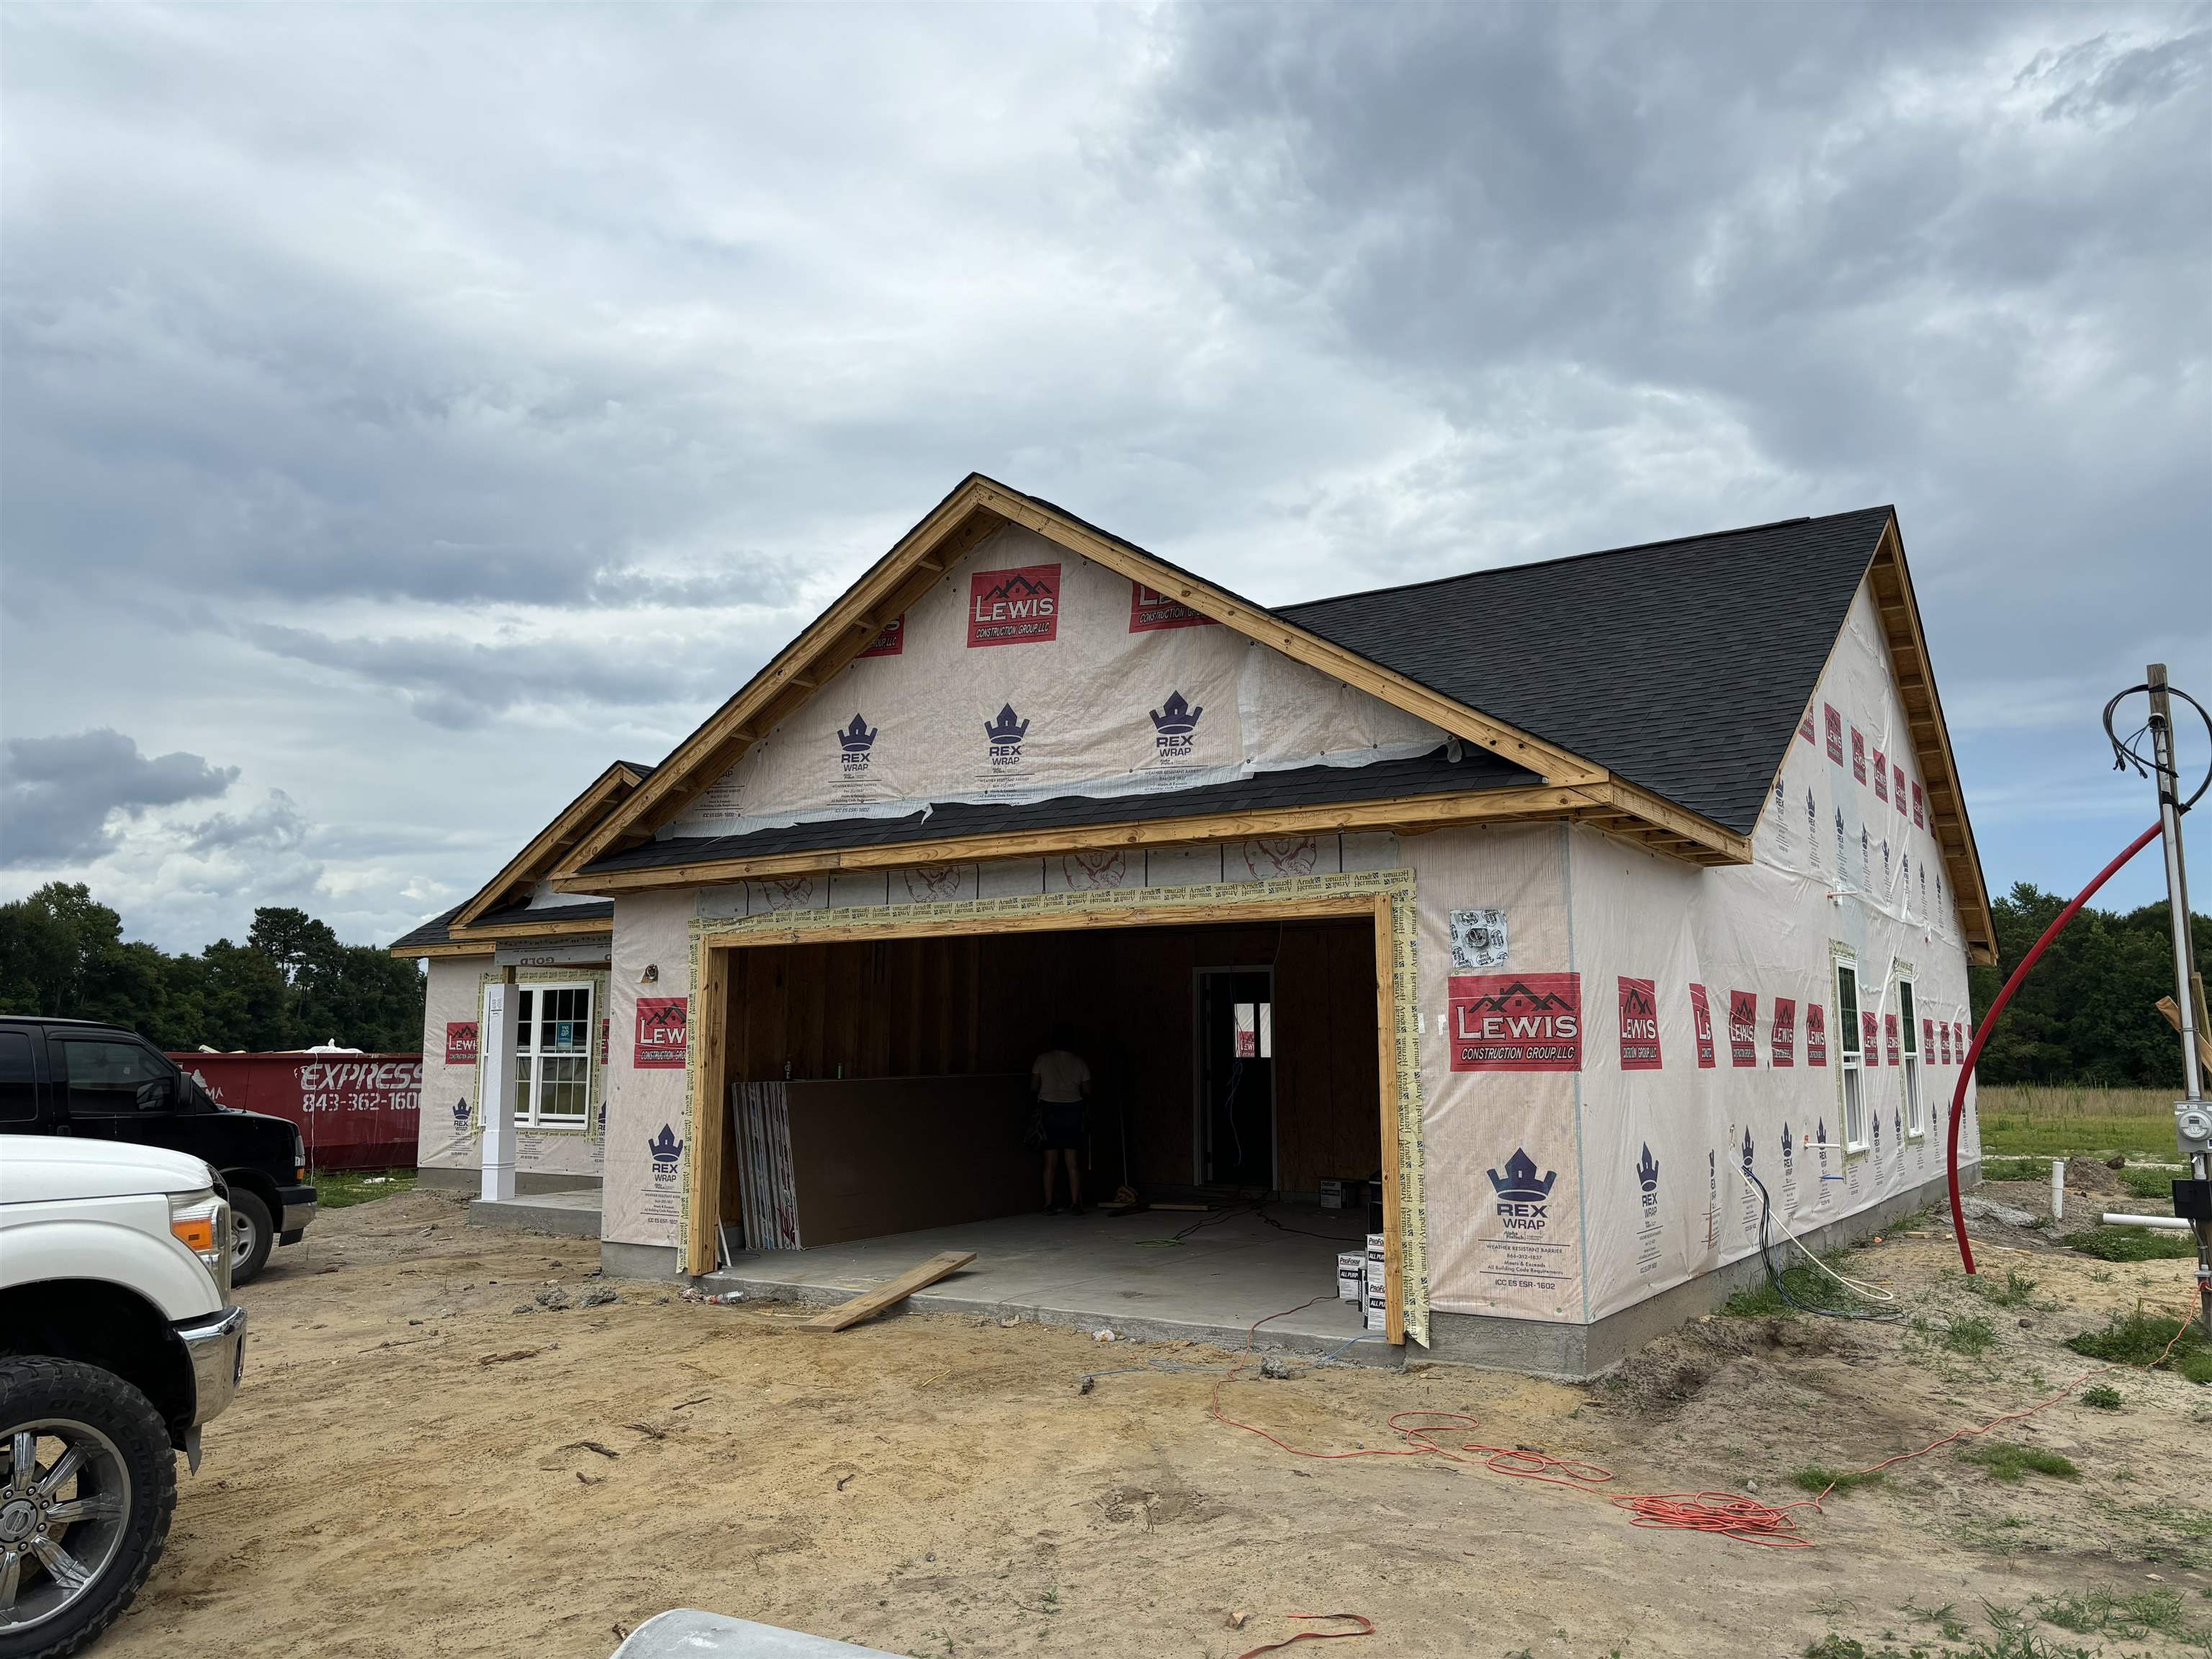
2165 1224
2058 1189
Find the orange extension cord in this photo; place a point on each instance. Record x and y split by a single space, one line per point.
1730 1515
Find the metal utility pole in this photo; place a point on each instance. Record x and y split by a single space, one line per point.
2192 1119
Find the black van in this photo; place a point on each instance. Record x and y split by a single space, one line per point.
77 1077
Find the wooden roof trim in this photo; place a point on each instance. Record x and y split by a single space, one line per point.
1407 814
978 507
1897 609
542 856
411 953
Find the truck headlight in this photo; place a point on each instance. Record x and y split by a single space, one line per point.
196 1220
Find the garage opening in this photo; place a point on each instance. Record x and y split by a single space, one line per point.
876 1109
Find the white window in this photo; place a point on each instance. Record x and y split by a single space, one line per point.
1915 1119
1849 1059
553 1055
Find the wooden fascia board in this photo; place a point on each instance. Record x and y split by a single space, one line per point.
1411 813
1670 822
541 854
1547 761
551 927
838 635
1317 907
413 952
1901 626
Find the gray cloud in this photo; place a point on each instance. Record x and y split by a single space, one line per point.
440 403
59 794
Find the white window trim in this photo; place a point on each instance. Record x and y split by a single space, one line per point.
1851 1058
1915 1103
527 1114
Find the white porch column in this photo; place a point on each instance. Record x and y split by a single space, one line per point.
497 1040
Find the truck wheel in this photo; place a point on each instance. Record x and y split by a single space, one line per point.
88 1480
251 1236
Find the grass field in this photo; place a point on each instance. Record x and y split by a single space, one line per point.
2027 1120
336 1188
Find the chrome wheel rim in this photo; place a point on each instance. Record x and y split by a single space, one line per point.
64 1509
244 1234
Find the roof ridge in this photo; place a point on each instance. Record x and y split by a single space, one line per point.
1571 558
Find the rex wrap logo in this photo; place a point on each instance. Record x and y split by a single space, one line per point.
1014 607
1522 1195
855 744
1175 730
1647 1182
1003 738
667 1151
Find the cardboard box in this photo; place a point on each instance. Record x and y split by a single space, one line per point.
1342 1192
1352 1277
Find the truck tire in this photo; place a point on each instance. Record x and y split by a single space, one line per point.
102 1521
253 1236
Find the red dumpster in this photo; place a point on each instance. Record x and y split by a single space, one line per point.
355 1111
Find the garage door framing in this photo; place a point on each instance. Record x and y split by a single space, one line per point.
1384 898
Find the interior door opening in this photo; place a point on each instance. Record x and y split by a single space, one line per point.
1235 1050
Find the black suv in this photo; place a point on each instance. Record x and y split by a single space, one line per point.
76 1077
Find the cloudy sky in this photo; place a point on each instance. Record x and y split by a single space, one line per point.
407 410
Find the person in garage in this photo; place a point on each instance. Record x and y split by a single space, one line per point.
1062 1082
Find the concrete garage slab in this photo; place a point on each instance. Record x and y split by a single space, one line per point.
1096 1270
573 1213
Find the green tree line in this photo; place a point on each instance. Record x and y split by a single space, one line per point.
2087 1013
291 985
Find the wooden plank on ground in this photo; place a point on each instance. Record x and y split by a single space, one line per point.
885 1296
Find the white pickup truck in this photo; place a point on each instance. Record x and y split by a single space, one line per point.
118 1340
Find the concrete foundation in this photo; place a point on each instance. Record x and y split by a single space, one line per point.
573 1213
468 1180
1577 1353
1092 1271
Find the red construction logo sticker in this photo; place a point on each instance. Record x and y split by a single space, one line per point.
1889 1038
1869 1038
1151 611
1858 754
1701 1026
1897 777
461 1042
1743 1027
1835 723
1816 1035
891 642
1920 808
1880 775
1639 1025
1516 1022
663 1033
1783 1045
1014 607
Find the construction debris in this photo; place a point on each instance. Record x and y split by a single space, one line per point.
941 1265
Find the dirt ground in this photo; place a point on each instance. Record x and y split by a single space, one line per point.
415 1466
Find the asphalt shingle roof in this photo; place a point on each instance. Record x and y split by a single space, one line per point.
1682 666
1432 774
439 929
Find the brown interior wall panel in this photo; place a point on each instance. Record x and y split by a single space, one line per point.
955 1007
893 1155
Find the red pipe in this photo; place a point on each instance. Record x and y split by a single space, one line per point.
1989 1020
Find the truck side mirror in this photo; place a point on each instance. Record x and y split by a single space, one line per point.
158 1094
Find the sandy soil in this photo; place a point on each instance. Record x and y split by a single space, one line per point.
491 1481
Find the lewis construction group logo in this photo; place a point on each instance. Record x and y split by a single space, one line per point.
1516 1022
1639 1026
1014 607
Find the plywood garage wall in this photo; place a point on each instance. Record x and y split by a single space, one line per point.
965 1007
